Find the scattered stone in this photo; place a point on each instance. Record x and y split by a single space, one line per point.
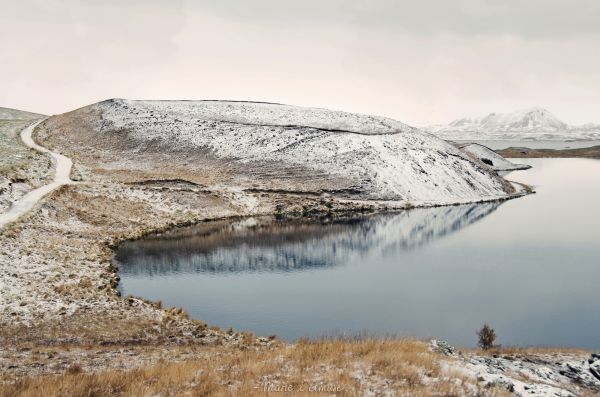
442 347
594 362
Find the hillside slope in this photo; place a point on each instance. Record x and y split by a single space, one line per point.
270 147
14 114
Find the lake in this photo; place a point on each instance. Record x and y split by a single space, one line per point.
530 267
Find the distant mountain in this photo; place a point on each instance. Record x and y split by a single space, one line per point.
529 124
14 114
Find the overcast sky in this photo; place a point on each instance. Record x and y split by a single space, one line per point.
421 61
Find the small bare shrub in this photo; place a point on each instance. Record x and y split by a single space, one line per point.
75 369
487 337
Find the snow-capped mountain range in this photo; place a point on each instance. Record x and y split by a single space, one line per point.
530 124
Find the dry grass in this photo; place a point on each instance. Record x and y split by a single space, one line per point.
338 367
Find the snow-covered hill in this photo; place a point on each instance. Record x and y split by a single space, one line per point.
273 147
530 124
14 114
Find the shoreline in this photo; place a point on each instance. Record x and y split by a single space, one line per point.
592 152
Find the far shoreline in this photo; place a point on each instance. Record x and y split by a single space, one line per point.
525 152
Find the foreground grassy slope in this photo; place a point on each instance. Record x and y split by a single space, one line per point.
327 367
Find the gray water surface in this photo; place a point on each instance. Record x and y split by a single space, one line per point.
530 267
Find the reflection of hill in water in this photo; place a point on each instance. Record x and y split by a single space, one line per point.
264 244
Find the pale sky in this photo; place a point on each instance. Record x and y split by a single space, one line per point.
420 61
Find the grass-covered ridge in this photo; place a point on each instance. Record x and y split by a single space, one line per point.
14 114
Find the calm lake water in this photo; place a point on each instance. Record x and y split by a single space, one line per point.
530 267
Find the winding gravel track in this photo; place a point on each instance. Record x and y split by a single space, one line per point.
61 177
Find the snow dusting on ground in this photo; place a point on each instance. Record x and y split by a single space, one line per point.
543 373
